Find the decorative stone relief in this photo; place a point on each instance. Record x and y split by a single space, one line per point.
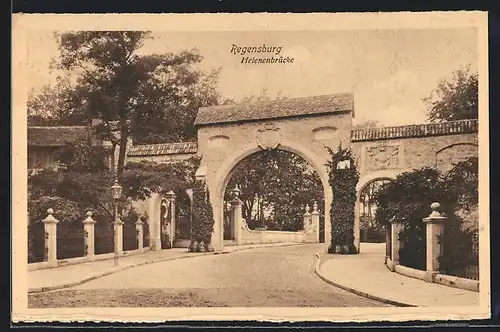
382 156
269 137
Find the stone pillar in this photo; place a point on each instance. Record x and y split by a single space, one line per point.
307 218
139 226
154 222
89 230
315 219
236 216
395 243
170 196
50 225
119 236
434 228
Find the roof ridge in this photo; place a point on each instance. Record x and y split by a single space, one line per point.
280 100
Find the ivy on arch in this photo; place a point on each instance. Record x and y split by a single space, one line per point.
343 177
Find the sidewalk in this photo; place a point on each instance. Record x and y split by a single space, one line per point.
72 275
366 274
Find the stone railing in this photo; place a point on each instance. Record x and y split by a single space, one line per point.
435 227
309 233
419 130
88 237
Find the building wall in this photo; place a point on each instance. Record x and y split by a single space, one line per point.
387 158
42 158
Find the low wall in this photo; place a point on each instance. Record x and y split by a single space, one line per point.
80 260
256 236
457 282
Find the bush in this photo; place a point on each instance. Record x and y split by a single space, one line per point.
407 200
203 219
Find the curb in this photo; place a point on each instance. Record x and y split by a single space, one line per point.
104 274
355 291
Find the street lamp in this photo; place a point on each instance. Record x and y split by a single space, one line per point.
116 191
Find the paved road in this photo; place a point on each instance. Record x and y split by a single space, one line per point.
270 277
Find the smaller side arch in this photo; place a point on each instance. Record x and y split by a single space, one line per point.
365 180
440 152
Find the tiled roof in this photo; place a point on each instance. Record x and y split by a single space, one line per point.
56 136
275 109
163 149
419 130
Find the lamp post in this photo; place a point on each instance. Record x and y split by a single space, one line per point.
116 191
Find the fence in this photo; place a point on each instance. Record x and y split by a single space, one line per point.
130 237
459 254
104 237
51 242
36 242
439 252
412 250
70 241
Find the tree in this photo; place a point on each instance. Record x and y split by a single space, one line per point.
153 97
455 98
278 181
369 124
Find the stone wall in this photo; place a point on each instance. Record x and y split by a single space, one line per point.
386 152
255 236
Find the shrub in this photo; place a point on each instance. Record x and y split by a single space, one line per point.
407 200
203 219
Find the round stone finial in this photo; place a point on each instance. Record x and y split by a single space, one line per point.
89 213
435 206
307 208
315 206
235 192
50 211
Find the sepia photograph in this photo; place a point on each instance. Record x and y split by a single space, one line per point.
276 167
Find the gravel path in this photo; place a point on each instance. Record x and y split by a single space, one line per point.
265 277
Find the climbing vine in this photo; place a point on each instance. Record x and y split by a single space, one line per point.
343 177
203 219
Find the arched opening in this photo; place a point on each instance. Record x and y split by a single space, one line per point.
369 229
275 187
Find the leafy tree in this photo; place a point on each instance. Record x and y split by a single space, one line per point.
369 124
83 157
454 98
277 181
407 200
343 182
154 97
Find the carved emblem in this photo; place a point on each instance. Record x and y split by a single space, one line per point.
269 137
383 156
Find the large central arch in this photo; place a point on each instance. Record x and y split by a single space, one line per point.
226 170
303 126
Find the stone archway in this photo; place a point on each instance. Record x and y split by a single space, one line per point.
228 134
226 170
364 181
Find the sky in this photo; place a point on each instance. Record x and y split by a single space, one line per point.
388 71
